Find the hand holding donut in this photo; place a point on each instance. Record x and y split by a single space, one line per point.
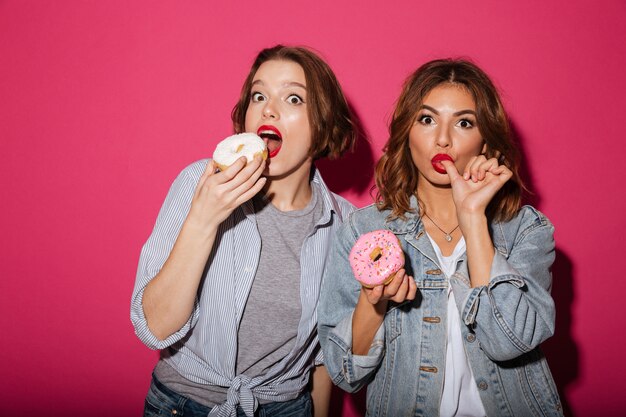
219 193
401 288
481 180
376 260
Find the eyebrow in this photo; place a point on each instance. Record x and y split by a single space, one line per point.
458 113
287 84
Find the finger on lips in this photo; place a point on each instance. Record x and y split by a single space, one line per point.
450 169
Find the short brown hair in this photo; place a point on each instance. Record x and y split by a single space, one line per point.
332 127
396 175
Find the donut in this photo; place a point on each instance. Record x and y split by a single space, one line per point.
235 146
376 257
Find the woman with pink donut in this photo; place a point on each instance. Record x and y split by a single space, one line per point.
457 331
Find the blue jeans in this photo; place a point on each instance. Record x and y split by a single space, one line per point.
162 401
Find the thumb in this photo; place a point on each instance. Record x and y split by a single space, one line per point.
376 294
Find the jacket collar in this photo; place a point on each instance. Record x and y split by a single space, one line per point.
409 223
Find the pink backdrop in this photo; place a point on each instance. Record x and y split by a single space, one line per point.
103 102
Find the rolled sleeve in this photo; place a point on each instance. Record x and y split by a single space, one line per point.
355 368
143 331
501 272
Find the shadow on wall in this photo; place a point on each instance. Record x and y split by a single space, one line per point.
338 399
355 170
528 197
560 350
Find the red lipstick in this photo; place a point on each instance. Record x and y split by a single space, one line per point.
272 137
436 161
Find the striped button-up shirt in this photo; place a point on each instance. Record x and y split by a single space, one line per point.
204 350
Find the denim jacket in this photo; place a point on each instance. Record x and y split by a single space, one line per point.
503 323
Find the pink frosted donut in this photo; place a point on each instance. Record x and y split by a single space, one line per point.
376 257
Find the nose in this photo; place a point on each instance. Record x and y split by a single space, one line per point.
443 138
269 110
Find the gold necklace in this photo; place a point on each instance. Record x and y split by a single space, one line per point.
448 236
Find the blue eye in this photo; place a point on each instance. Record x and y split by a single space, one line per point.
256 97
294 99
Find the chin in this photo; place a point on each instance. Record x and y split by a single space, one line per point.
273 171
438 180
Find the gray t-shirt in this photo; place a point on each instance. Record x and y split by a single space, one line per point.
269 325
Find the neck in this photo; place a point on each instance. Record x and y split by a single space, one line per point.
437 201
290 192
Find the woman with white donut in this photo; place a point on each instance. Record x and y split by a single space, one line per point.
458 332
222 287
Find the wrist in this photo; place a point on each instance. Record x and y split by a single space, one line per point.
198 230
378 308
469 222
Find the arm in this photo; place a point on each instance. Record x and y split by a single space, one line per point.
509 304
168 300
344 306
320 391
370 310
472 192
514 313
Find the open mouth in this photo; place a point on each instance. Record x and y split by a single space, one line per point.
436 162
272 138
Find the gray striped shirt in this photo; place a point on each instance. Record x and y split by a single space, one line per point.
204 350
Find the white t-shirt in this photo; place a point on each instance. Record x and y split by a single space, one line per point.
460 395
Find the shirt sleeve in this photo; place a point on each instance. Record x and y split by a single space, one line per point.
154 254
514 312
339 296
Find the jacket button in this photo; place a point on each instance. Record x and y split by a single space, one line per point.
432 319
433 272
431 369
482 385
471 337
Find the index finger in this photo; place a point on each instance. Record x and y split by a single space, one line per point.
232 171
450 170
209 170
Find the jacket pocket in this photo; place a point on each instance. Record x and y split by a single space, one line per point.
393 321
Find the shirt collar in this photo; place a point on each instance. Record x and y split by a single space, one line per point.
330 202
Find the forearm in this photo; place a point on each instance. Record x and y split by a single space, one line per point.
480 249
366 320
169 298
320 391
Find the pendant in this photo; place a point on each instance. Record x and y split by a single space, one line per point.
448 238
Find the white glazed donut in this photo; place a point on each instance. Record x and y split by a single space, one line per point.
235 146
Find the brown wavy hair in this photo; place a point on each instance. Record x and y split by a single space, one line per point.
333 130
396 174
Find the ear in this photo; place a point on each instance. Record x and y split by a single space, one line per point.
484 150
